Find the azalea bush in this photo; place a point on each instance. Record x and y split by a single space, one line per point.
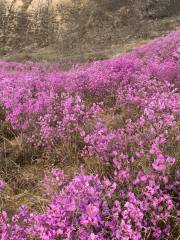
139 143
90 208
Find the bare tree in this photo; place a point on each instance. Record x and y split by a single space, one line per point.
26 4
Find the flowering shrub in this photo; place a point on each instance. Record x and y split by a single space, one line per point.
46 118
140 198
87 208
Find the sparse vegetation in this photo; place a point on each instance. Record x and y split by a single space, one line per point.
81 30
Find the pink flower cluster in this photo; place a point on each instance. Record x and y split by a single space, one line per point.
140 198
88 208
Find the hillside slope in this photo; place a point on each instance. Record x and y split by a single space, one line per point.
81 31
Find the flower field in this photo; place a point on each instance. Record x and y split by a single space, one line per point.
123 113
